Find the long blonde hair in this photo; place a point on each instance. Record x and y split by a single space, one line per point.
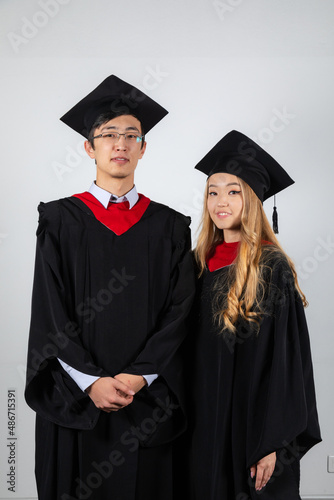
246 285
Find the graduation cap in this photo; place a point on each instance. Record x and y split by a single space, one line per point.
118 96
239 155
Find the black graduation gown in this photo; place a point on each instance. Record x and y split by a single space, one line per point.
251 394
107 304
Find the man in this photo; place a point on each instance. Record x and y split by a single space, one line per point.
113 285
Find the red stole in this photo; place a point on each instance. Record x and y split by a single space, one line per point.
117 217
224 255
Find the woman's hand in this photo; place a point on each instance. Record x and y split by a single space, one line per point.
263 470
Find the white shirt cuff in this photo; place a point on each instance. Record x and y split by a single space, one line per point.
81 379
150 378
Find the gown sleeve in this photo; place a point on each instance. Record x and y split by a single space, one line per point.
170 330
282 411
161 353
50 391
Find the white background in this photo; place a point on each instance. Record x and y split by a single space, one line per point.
216 66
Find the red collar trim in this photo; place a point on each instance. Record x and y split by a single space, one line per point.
117 217
225 254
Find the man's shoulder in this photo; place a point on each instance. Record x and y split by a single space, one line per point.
54 204
166 211
52 212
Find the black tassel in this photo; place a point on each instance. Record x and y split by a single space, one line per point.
275 217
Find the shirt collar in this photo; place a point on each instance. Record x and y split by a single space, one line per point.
104 197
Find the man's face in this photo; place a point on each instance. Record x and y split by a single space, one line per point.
116 159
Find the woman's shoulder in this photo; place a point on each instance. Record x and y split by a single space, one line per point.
275 266
273 256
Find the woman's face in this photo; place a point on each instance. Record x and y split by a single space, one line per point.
225 204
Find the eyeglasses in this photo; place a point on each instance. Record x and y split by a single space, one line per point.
113 137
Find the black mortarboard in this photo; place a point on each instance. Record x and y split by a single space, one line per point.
238 155
113 94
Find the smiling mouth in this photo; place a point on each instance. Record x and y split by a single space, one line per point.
120 159
223 213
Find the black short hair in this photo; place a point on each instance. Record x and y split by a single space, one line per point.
105 118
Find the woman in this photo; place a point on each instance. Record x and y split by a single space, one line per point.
253 403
